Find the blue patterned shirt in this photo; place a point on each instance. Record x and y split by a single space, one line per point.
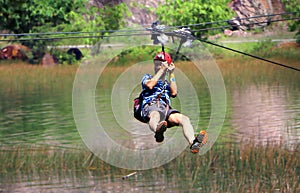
152 95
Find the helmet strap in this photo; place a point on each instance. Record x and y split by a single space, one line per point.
163 50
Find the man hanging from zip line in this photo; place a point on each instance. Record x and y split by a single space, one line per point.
155 105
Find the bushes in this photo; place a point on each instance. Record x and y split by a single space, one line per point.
180 13
294 25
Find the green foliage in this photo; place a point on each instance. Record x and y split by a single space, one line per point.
94 21
293 6
180 13
294 25
38 49
40 16
263 48
63 57
142 53
20 16
136 54
27 16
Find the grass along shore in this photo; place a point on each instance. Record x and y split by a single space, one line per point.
236 70
226 168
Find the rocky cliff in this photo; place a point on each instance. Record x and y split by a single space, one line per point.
143 11
249 9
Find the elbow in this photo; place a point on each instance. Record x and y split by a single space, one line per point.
173 94
150 84
150 87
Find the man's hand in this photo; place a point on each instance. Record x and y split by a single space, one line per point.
171 68
165 64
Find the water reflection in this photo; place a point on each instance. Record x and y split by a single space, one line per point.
37 119
262 114
144 181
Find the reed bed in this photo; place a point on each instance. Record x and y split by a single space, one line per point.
249 168
236 71
226 168
239 71
25 78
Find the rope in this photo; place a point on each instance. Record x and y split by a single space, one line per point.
253 56
245 18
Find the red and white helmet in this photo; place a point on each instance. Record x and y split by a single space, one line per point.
163 56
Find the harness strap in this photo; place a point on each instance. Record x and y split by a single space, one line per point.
163 90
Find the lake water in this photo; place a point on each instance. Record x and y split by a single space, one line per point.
263 109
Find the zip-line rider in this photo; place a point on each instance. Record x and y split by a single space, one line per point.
156 109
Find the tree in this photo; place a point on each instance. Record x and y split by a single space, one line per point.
181 13
24 16
90 19
21 16
294 25
28 16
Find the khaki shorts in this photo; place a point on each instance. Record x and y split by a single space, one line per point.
164 111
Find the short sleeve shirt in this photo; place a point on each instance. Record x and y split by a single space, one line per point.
161 88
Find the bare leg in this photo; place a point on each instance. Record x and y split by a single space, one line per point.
185 123
154 120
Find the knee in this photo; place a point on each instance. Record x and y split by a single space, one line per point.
154 114
185 119
179 119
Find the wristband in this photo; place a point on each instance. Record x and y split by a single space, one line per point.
172 77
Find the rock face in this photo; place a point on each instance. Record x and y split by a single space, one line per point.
102 3
140 9
144 16
48 60
14 51
246 10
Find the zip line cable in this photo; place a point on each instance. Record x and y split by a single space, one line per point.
134 34
76 37
253 56
222 27
186 35
240 19
171 27
67 33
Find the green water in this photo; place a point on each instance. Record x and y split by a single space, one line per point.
262 107
37 118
